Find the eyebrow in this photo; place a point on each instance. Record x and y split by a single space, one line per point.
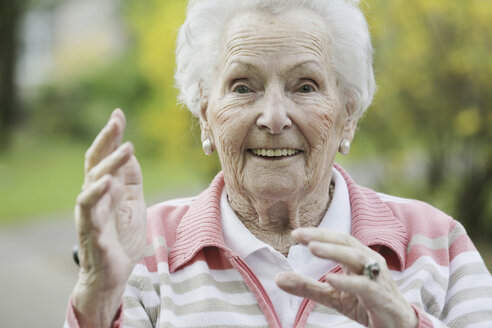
241 65
238 64
311 64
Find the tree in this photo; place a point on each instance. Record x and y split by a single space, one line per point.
10 12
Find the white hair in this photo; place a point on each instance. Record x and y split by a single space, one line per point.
200 36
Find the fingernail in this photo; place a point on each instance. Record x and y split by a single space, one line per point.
283 279
299 235
296 232
112 122
314 246
127 147
280 276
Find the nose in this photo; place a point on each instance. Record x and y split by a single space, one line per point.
274 116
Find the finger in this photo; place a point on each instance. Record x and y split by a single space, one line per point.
89 197
118 113
111 163
104 209
352 258
380 300
133 172
355 284
96 205
107 140
116 191
306 235
296 284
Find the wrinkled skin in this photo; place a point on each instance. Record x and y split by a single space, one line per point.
275 89
110 219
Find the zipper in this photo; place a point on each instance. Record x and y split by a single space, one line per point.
305 301
259 292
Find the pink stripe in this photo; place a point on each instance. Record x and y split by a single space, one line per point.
460 245
440 256
424 219
150 262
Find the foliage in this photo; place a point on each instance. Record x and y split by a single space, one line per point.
78 108
168 127
434 73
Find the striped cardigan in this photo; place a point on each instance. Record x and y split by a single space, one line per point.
189 278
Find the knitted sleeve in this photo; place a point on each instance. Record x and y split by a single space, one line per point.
455 287
468 301
141 299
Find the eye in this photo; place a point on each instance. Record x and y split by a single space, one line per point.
242 89
306 88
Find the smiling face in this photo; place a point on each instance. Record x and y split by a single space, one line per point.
274 113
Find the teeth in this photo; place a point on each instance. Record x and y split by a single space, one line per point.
274 152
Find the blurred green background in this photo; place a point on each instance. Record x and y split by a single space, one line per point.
65 65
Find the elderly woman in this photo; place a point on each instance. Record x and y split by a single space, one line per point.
282 237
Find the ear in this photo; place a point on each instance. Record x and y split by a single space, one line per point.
204 126
350 121
349 128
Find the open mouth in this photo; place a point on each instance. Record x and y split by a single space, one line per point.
274 153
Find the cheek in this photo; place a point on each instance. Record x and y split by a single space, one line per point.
319 125
230 123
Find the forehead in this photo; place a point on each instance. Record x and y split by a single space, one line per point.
289 37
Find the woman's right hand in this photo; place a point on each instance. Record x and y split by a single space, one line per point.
110 216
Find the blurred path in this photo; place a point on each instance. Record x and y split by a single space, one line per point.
37 272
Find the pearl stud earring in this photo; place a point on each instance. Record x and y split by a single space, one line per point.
208 147
344 147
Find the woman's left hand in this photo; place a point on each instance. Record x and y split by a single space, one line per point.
373 302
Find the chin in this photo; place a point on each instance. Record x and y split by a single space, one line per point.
275 186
